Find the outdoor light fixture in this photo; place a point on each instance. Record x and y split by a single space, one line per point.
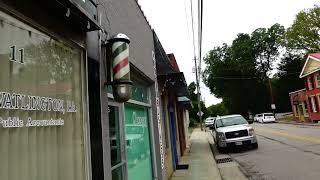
121 83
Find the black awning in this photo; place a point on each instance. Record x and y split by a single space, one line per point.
76 14
162 61
174 82
83 14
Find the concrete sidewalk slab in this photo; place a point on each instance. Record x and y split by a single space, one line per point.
202 165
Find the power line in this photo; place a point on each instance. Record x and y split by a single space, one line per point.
186 17
192 27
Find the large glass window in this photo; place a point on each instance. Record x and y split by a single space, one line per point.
310 84
41 114
138 142
313 104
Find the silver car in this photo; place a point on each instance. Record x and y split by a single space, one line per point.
233 131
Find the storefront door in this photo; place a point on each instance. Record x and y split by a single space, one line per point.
130 142
138 142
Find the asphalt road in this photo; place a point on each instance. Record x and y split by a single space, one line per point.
286 152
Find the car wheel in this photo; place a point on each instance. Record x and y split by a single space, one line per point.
255 146
220 149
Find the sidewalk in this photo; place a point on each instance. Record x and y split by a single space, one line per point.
202 165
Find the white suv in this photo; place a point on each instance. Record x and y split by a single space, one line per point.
209 121
266 117
233 131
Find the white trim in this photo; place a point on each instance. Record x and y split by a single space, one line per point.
305 64
313 104
297 91
86 118
309 82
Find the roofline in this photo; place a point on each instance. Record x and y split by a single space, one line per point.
305 64
297 91
145 17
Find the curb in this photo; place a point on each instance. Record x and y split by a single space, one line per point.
303 124
214 157
222 169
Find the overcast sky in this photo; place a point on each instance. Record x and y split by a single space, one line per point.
222 21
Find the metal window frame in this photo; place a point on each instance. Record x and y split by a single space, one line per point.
123 146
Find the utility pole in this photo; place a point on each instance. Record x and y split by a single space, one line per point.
271 96
197 68
198 92
200 15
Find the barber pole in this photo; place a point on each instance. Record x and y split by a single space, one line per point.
120 54
121 83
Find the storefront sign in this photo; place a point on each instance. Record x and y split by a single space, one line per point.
16 101
158 108
139 120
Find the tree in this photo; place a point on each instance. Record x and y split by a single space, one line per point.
217 110
239 73
304 34
287 80
193 111
266 44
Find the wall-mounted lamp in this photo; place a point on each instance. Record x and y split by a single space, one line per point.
121 84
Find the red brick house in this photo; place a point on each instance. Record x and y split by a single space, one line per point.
299 105
311 76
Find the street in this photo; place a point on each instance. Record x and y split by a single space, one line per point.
286 152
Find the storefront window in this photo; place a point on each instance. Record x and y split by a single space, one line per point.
41 114
138 142
139 92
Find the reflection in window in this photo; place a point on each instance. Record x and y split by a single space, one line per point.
51 70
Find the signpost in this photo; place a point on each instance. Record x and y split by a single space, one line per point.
200 114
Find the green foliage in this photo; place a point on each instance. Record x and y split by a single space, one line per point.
304 34
266 44
217 109
238 73
193 111
287 80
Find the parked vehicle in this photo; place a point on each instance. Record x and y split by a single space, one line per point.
233 131
209 121
267 118
250 120
256 117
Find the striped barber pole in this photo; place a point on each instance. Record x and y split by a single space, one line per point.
121 66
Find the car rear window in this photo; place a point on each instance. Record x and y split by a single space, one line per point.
268 114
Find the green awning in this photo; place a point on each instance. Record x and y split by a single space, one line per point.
183 98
